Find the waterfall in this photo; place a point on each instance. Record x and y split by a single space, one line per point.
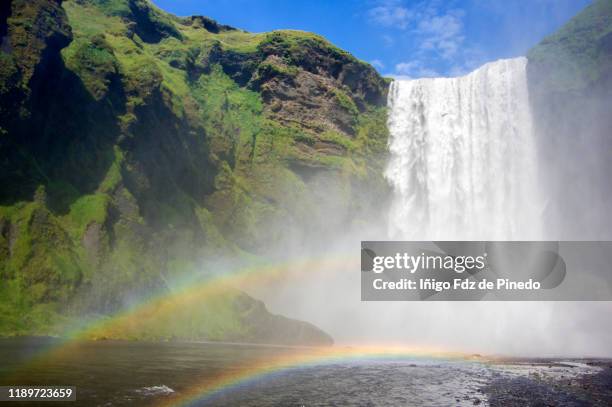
462 157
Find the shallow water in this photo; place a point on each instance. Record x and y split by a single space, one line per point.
113 373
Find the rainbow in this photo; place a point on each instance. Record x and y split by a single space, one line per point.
183 295
207 390
189 292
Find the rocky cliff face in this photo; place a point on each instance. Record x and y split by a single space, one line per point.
570 84
136 147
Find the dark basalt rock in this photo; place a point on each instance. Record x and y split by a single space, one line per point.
208 24
150 25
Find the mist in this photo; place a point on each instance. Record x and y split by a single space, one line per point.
564 197
330 299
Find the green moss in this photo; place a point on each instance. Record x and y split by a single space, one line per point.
176 53
215 239
112 7
372 134
306 138
8 72
41 272
111 50
294 44
212 315
235 40
267 69
346 102
22 244
338 139
142 76
32 24
175 82
113 175
231 115
171 92
88 209
87 20
152 24
20 315
93 60
575 56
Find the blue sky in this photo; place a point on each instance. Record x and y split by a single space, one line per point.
412 38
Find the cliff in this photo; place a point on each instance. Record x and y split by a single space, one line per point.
137 147
570 84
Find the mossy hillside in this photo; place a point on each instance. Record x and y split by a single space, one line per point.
32 28
95 63
578 55
220 314
213 316
570 88
160 145
40 268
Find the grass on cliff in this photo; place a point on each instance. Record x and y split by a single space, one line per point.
46 269
41 273
575 56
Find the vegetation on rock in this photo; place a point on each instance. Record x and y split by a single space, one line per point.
137 147
570 88
577 56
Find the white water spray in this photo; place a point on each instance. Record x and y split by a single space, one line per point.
455 144
463 160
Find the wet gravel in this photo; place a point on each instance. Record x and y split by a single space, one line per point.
543 390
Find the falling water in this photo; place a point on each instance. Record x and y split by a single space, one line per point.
463 161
